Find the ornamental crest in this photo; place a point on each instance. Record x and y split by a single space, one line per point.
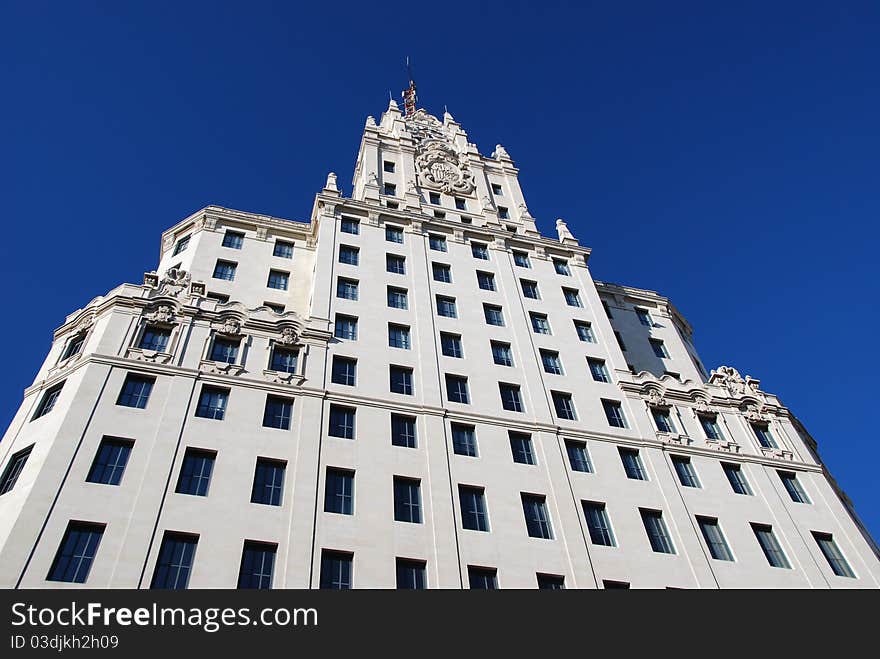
654 398
439 167
164 315
174 282
729 377
230 326
288 336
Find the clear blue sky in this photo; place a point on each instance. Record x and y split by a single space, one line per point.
724 156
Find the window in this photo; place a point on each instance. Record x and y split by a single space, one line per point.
283 249
521 448
501 354
389 189
341 422
655 527
457 389
714 538
521 259
346 327
644 317
276 308
181 245
278 412
224 270
74 346
540 325
473 508
212 403
346 288
13 469
550 581
550 360
49 399
510 397
598 524
395 264
394 234
410 574
278 279
174 563
632 464
563 405
710 426
135 391
578 457
403 431
561 267
388 166
598 370
584 331
401 380
219 298
257 562
349 255
486 280
446 307
224 350
736 478
336 570
832 554
464 440
503 213
434 197
339 492
442 273
195 472
496 189
793 487
607 310
770 546
460 204
530 289
349 225
76 552
482 578
284 359
659 349
407 500
397 298
687 476
662 419
493 314
344 371
268 482
391 204
615 585
437 243
480 251
233 239
154 338
451 345
762 432
614 413
398 336
620 340
537 520
572 297
109 463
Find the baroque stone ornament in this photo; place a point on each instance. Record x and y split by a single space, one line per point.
439 165
288 336
174 282
231 326
500 152
654 398
163 315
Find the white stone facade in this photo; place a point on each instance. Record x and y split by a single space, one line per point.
476 205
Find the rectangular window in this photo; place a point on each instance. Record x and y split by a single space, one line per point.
389 189
268 485
503 213
388 166
561 267
225 270
598 524
442 273
480 251
284 359
550 581
344 371
410 574
632 464
482 578
397 298
446 307
195 472
434 197
275 308
584 331
493 314
510 397
644 317
109 463
349 225
219 298
457 389
662 419
614 413
496 189
687 475
486 280
578 457
336 570
407 500
464 440
257 564
521 259
473 508
349 255
620 341
770 546
49 397
564 405
224 350
403 431
501 354
615 585
233 239
598 370
346 327
13 469
212 403
552 363
398 336
181 245
736 478
537 519
540 325
714 538
710 427
395 264
572 297
655 527
437 243
339 491
278 279
341 422
530 289
346 289
278 412
135 391
659 349
283 249
762 432
793 487
175 560
401 380
460 204
521 448
450 345
394 235
76 552
155 338
74 346
832 554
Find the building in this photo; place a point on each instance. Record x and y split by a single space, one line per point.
414 388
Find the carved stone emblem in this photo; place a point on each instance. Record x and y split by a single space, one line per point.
174 282
288 336
654 398
439 167
164 314
230 326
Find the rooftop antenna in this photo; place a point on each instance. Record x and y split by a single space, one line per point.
409 94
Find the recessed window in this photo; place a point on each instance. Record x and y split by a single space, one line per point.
614 413
397 298
346 327
572 297
521 259
195 472
49 398
709 424
181 245
219 298
530 289
437 243
410 574
389 189
598 524
714 539
615 585
403 431
563 405
736 478
401 380
336 570
540 324
511 400
457 389
442 272
278 412
473 508
224 270
350 225
407 500
268 485
598 370
346 289
212 403
339 491
74 346
662 419
283 249
503 213
388 166
398 336
655 527
76 552
434 198
584 331
762 433
349 255
13 469
561 267
460 204
233 239
175 561
687 475
493 315
632 464
486 280
394 234
644 317
464 440
278 279
496 189
450 345
446 307
578 457
521 448
537 517
395 264
482 578
344 371
391 204
832 554
257 565
551 362
501 353
480 251
109 463
793 487
341 422
135 391
284 359
224 350
770 546
659 349
275 308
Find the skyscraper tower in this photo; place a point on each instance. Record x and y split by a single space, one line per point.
413 388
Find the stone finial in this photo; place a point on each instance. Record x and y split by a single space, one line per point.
392 104
564 234
500 152
371 121
524 212
331 183
447 117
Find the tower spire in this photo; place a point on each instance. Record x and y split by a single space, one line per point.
409 94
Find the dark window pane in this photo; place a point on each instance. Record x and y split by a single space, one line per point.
175 561
76 552
268 482
257 564
109 463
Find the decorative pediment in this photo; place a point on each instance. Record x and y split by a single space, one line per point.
701 406
229 325
737 386
653 396
754 411
160 314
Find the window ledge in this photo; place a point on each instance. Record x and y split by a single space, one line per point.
782 454
150 356
723 445
281 377
220 368
674 438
